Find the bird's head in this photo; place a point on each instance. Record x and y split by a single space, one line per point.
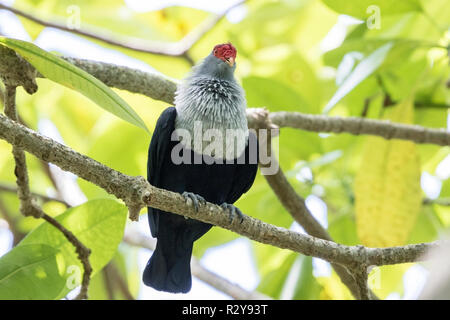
225 52
219 64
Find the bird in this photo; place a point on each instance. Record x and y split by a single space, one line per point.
191 153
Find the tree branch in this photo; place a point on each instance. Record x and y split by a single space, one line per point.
161 88
361 277
175 49
358 126
108 282
151 85
45 198
114 278
296 207
2 96
27 205
137 192
82 251
294 203
12 223
439 201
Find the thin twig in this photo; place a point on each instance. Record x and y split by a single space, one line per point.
439 201
175 49
12 223
27 207
27 204
46 168
45 198
117 279
2 96
108 281
82 251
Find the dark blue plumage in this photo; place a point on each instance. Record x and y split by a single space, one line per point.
169 267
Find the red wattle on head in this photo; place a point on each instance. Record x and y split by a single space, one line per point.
225 51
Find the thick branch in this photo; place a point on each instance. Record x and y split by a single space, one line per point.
15 71
135 191
293 202
161 88
296 206
358 126
151 85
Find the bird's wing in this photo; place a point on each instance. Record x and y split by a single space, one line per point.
156 157
245 173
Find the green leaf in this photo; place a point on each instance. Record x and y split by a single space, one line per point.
363 70
360 9
343 230
427 226
66 74
273 281
443 213
30 272
273 94
359 45
445 189
307 287
98 224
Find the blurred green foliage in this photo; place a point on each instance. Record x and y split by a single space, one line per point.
286 62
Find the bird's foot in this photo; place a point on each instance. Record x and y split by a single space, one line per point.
233 211
195 198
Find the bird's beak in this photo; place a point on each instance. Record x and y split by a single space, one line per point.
230 61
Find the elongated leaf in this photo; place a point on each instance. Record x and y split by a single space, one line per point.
98 224
273 282
363 70
387 187
66 74
30 272
307 287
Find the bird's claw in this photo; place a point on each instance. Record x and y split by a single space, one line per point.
233 211
195 198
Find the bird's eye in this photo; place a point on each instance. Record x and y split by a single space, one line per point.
215 51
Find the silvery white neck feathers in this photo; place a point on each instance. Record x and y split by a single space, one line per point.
209 102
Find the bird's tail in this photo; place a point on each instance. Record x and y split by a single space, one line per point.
169 268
